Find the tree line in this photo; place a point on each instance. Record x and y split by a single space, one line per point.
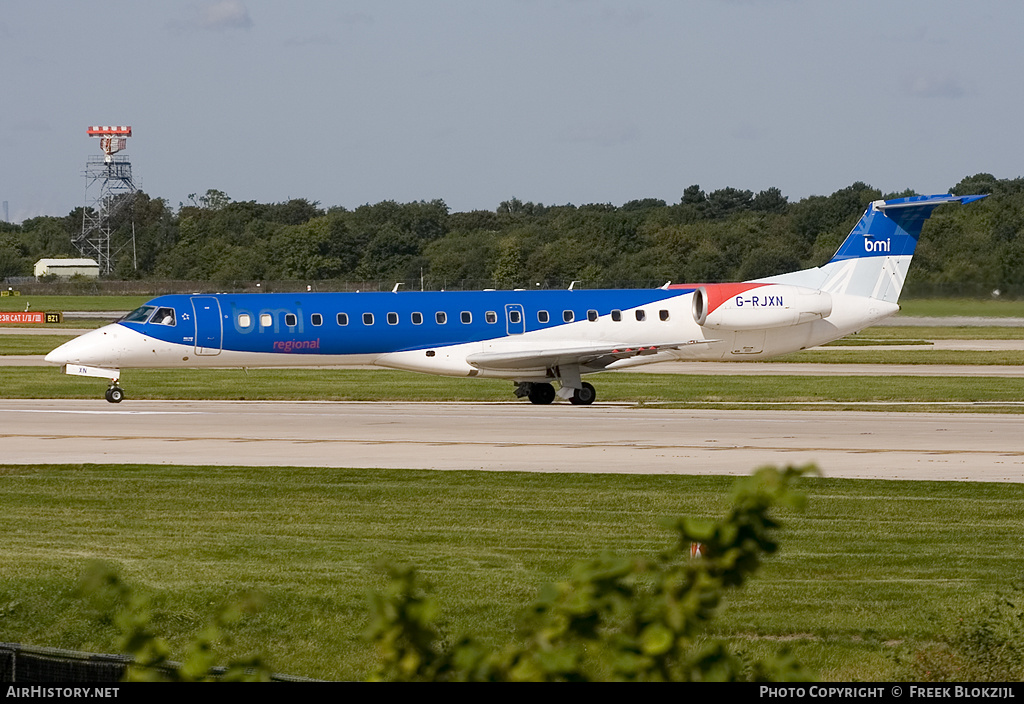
726 234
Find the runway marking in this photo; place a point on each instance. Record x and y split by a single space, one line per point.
112 411
499 444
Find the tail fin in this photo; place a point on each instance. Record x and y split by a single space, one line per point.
874 260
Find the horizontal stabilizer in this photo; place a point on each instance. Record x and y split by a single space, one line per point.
924 200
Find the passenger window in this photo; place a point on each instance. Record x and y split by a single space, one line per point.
466 317
513 317
491 317
663 314
367 318
342 318
441 317
567 316
617 315
316 319
392 318
163 316
244 320
417 318
266 320
591 315
290 320
641 315
542 316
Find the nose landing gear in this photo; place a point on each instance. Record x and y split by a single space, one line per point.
114 394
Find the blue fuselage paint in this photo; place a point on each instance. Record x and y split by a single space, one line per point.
376 323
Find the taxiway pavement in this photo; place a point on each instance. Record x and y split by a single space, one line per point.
513 436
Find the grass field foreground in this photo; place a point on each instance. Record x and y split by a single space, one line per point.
869 570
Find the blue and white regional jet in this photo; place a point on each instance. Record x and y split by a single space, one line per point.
533 338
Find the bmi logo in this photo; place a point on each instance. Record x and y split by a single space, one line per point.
877 245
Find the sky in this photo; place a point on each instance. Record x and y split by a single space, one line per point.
476 102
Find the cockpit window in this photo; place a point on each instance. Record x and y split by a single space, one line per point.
163 316
139 315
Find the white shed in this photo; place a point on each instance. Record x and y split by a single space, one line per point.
66 268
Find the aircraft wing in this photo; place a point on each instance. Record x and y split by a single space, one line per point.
593 356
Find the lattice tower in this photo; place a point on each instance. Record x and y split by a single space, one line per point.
109 192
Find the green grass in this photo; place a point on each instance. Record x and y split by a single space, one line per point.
869 563
383 385
852 355
894 333
74 303
861 341
31 344
942 307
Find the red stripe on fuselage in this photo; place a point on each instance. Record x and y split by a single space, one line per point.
720 293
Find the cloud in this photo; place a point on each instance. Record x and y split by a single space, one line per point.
32 124
216 16
347 20
600 133
321 39
925 85
745 131
356 18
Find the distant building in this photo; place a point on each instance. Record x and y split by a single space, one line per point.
66 268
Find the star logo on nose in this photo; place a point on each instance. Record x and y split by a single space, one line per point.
184 316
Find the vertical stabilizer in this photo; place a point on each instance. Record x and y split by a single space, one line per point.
874 260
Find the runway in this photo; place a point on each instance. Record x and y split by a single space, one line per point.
513 436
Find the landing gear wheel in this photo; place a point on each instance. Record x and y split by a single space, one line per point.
542 394
114 394
583 396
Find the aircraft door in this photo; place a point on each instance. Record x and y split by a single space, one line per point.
515 319
209 325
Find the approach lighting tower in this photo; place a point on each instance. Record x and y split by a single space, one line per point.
114 195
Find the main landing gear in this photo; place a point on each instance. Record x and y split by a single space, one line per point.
543 393
114 394
583 396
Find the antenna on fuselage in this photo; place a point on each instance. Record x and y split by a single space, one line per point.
573 284
395 289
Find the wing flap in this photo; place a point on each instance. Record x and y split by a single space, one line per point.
594 356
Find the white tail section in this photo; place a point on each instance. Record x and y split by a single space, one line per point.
874 259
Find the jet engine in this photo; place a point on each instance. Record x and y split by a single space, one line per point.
758 306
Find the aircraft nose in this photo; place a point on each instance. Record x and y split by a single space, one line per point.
57 355
97 348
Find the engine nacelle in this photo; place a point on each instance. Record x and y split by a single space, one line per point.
758 306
